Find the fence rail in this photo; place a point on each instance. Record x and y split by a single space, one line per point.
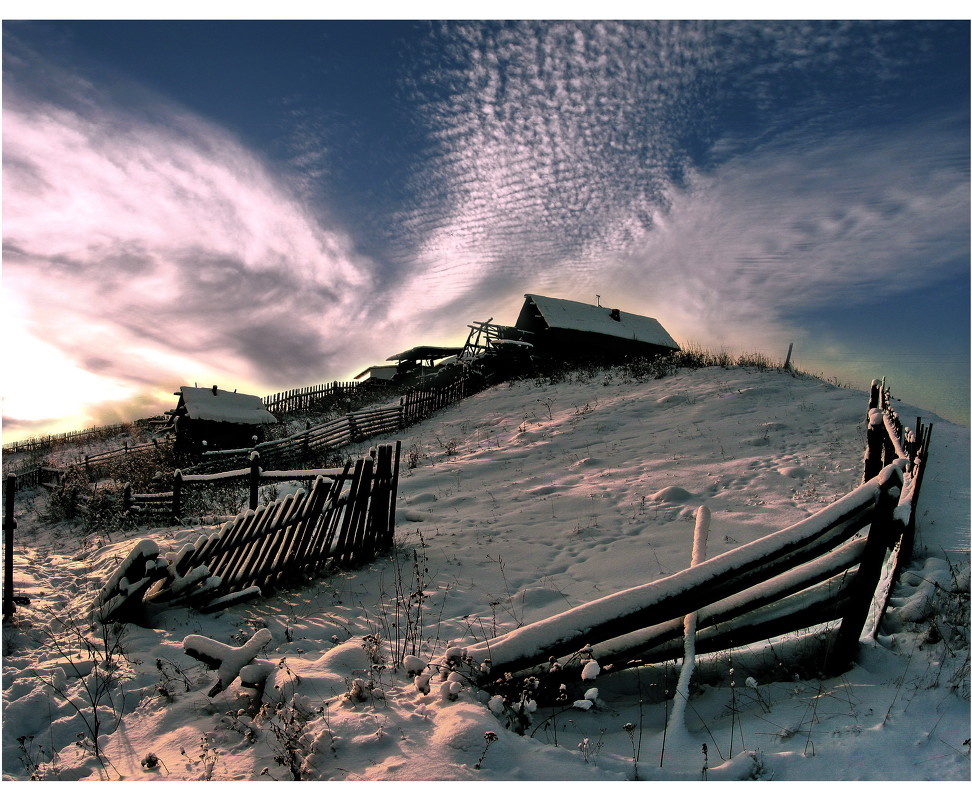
820 570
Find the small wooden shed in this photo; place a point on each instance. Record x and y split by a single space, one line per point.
568 327
210 418
420 362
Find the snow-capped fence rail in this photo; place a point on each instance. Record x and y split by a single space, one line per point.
820 570
171 504
342 521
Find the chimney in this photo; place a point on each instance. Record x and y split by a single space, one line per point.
616 314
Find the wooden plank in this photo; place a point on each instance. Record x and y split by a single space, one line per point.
359 515
262 547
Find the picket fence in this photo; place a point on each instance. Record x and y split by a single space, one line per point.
818 571
344 520
52 440
304 399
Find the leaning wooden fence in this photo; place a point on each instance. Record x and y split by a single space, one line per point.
838 564
342 521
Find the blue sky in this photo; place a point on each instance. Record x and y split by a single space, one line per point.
268 204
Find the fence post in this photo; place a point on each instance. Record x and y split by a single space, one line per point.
254 479
9 524
874 454
881 536
177 495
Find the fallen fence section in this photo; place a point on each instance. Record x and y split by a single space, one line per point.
342 521
839 564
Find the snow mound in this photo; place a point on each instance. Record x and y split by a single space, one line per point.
672 495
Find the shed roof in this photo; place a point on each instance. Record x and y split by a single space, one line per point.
220 406
424 352
572 315
377 371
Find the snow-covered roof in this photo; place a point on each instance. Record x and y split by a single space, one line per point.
574 316
220 406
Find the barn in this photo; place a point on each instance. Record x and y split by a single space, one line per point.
570 328
210 418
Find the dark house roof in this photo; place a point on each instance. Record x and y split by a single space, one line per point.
421 352
542 315
219 406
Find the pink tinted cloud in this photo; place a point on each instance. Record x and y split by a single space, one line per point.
147 244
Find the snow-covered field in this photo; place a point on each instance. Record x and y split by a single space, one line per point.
520 503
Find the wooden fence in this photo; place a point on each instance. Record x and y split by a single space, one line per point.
53 440
41 476
321 440
820 570
308 398
344 520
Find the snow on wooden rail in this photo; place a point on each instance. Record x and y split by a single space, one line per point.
819 570
342 521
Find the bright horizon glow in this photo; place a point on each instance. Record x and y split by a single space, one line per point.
284 205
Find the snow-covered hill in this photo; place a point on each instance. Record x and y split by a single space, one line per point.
520 503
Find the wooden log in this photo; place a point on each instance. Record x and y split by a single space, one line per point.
721 615
883 533
671 596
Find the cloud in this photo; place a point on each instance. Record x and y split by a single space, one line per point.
586 158
730 179
148 244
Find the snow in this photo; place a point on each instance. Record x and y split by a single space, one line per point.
225 407
535 499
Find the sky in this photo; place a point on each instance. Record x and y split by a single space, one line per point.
269 204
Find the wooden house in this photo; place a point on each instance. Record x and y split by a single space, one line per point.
569 328
210 418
